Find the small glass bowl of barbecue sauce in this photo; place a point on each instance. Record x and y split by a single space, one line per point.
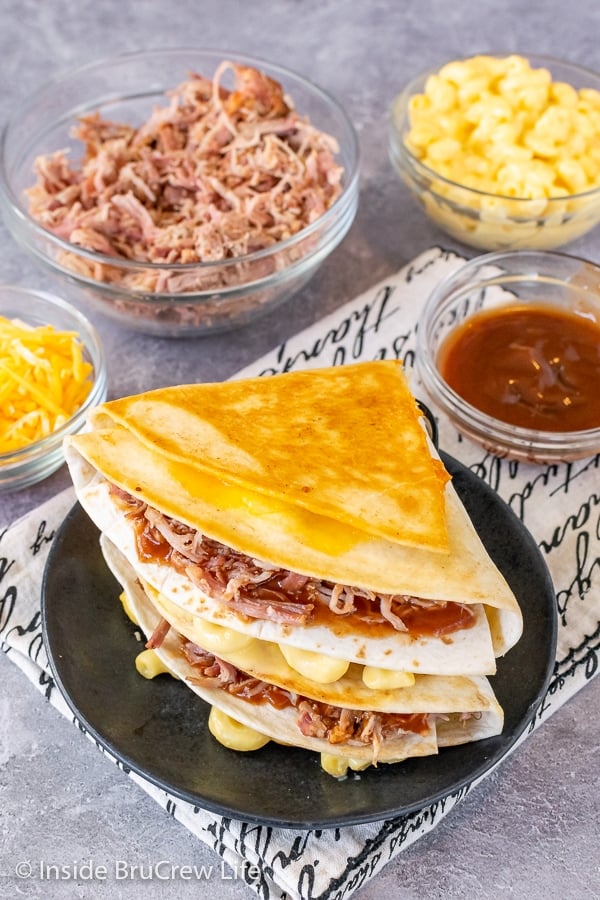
509 348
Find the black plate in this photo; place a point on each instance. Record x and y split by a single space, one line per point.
158 728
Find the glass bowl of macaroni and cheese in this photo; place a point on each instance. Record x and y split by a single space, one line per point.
502 152
508 347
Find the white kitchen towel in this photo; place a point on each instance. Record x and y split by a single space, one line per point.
559 504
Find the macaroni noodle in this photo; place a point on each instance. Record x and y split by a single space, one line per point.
502 127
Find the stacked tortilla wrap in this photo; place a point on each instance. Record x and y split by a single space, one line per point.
295 552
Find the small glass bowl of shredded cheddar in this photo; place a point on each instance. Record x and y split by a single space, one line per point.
502 152
52 371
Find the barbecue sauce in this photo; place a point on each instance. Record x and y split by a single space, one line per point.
257 692
436 620
530 366
431 620
428 620
417 723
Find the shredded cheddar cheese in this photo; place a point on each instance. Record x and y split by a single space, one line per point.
44 380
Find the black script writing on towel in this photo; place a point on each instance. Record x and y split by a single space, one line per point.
576 538
41 538
344 341
8 592
373 327
30 627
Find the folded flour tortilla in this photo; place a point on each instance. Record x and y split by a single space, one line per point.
442 711
308 513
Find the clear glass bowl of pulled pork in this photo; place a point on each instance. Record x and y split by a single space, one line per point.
180 191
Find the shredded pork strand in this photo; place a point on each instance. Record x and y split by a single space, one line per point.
158 636
215 174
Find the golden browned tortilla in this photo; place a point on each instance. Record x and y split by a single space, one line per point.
344 442
302 528
182 474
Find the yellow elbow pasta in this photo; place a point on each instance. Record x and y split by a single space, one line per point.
149 665
338 765
504 109
234 734
503 145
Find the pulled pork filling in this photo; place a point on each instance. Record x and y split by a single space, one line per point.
316 719
214 174
261 591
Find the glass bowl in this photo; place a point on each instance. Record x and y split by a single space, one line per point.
34 462
490 282
185 298
491 221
